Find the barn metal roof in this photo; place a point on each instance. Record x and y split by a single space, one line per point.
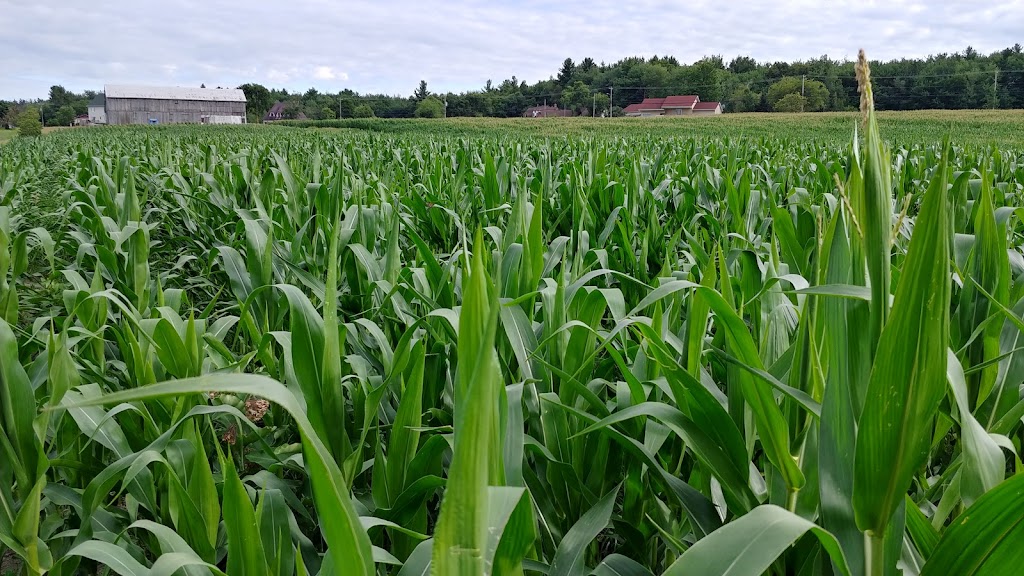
174 93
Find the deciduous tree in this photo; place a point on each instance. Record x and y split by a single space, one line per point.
29 123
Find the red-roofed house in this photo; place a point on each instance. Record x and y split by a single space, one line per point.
677 105
673 106
707 108
649 107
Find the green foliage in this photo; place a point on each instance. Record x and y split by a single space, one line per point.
567 71
743 99
29 123
421 91
748 345
65 116
346 108
258 99
812 94
362 111
430 107
792 102
576 97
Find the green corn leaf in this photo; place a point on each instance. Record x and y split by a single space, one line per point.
246 556
696 322
339 522
63 374
511 529
170 349
111 556
732 474
201 487
985 538
748 546
405 434
984 466
908 376
174 562
275 531
17 412
26 531
332 399
571 556
460 539
921 532
838 425
618 565
172 543
771 426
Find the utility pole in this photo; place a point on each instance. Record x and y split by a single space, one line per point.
803 78
611 100
995 90
593 107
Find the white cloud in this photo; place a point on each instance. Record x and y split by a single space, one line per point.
455 44
328 73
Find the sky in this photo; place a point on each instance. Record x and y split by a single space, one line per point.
388 46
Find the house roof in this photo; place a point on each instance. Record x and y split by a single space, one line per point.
652 104
680 101
706 105
632 108
174 93
277 108
98 100
276 112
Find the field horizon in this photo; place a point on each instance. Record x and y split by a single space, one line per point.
969 127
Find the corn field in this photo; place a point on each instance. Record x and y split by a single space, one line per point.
281 352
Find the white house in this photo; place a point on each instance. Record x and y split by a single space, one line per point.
98 110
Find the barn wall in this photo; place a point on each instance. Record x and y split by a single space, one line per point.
139 110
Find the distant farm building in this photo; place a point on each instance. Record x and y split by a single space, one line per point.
277 112
546 112
97 110
172 105
673 106
707 108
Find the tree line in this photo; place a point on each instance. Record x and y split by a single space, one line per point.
959 80
60 109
